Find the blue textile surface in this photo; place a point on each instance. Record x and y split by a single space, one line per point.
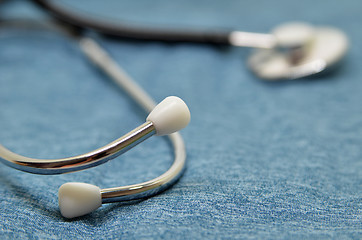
265 160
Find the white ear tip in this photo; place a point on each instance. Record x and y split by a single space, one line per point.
77 199
169 116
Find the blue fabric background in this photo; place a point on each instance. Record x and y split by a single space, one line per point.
265 160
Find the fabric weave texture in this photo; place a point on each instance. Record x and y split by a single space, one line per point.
266 160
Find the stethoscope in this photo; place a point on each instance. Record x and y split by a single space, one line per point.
292 51
166 118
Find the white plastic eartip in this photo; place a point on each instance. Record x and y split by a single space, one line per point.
77 199
169 116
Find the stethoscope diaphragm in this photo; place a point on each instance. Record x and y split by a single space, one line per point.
302 51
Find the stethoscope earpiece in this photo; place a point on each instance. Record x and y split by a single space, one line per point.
166 118
77 199
169 116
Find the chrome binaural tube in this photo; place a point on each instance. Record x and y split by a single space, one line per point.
79 162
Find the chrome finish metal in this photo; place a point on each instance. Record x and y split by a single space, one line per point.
101 59
79 162
154 186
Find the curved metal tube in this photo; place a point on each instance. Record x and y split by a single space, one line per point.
79 162
99 156
154 186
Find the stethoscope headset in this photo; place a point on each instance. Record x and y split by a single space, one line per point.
291 51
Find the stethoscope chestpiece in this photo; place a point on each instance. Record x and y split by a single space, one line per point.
301 50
